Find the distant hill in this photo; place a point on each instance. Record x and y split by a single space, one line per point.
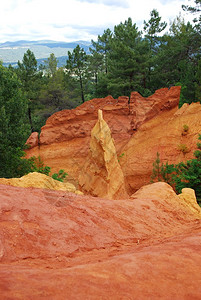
11 52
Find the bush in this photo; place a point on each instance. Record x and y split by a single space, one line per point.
181 175
185 129
183 148
161 171
188 175
35 164
60 176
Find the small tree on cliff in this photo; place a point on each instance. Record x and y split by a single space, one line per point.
161 171
182 175
189 174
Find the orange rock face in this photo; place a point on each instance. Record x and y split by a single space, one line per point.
65 139
144 109
163 134
58 245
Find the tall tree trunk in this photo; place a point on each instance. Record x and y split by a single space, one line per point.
30 119
96 79
106 62
81 86
144 81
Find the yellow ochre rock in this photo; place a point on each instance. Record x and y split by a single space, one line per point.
101 174
188 199
39 180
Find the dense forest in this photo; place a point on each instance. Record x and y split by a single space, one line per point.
120 61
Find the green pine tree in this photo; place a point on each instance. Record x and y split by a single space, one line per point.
76 66
14 129
127 60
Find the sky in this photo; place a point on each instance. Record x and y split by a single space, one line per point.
73 20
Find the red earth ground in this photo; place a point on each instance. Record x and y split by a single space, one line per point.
58 245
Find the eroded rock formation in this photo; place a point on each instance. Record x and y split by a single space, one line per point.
64 140
101 175
33 140
58 245
144 109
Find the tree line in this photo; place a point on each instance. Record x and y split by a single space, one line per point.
120 61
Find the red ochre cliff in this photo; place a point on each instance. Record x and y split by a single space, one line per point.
163 134
139 126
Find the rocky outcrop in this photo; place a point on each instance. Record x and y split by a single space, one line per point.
161 190
188 199
39 180
64 140
33 140
144 109
101 175
54 243
163 134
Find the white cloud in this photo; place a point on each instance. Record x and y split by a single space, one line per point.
119 3
75 19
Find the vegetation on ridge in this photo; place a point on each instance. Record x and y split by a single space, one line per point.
120 62
181 175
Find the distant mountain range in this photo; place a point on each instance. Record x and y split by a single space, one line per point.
11 52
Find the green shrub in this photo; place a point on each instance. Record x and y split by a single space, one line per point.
120 156
60 176
37 165
181 175
183 148
199 146
161 171
185 129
